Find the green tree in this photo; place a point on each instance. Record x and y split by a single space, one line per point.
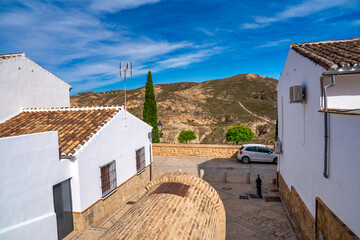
186 136
150 109
239 133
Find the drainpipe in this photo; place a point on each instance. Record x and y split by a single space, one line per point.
326 135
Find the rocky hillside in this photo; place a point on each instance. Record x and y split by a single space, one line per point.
208 108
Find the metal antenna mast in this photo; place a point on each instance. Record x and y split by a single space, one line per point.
128 67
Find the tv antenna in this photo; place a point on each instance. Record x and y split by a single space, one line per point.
128 67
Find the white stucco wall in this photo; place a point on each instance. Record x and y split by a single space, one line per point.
23 83
113 142
301 130
30 168
346 92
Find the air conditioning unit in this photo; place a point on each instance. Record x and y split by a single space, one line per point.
277 147
297 94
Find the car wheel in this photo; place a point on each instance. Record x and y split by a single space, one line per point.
275 160
245 160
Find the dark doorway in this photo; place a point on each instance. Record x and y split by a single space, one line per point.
63 208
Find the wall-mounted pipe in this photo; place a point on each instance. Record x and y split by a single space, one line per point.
326 135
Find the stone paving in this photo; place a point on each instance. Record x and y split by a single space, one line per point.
245 218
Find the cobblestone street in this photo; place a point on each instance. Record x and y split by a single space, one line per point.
249 218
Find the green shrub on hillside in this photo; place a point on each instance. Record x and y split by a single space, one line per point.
239 133
186 136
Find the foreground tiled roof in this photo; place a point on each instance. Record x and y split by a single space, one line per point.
165 214
75 126
11 56
331 54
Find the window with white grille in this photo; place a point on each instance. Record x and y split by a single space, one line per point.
140 159
108 178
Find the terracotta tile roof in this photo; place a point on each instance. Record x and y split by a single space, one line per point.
331 54
11 56
199 214
75 126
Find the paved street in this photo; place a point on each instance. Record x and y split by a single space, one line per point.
246 218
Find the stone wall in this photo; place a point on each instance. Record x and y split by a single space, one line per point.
196 150
326 223
329 226
298 209
104 207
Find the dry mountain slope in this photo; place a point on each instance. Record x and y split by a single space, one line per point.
208 108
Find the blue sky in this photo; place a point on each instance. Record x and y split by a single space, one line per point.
83 41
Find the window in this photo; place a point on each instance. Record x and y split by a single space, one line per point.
251 149
108 178
140 159
263 150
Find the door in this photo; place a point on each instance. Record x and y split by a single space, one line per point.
252 152
264 154
63 208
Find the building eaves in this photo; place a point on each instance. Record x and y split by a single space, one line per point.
4 57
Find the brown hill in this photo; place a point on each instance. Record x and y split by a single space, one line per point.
208 108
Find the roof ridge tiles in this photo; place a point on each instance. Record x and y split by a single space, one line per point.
327 41
76 108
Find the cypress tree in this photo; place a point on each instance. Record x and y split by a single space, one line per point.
150 109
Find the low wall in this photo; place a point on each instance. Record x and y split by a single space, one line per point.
104 207
298 209
329 226
195 150
326 224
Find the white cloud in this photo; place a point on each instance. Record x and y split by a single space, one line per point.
274 43
85 51
117 5
301 10
252 25
356 22
187 59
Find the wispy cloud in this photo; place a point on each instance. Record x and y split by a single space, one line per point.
187 59
301 10
86 50
117 5
356 22
274 43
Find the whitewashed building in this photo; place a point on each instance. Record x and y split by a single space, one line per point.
65 169
23 83
319 129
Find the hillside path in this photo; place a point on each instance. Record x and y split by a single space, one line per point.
265 119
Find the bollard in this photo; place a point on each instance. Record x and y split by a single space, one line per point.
274 181
258 186
225 177
202 173
247 177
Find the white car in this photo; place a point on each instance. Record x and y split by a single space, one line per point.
256 153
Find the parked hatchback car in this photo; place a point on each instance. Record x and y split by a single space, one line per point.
256 153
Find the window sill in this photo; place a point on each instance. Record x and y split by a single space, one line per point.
109 194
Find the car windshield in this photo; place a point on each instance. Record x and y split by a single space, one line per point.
241 148
269 149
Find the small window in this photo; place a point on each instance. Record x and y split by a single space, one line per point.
140 159
251 149
108 178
